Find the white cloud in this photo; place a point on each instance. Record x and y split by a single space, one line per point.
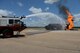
47 8
77 20
5 12
20 4
35 10
50 1
76 17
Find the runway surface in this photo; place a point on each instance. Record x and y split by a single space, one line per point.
42 41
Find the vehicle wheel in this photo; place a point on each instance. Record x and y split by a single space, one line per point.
7 33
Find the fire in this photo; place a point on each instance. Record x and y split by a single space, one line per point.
70 20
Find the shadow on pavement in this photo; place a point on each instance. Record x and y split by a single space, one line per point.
14 36
37 32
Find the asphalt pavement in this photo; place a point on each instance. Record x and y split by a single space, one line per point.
42 41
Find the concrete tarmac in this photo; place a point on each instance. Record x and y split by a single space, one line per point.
42 41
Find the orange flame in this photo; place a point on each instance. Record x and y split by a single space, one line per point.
70 20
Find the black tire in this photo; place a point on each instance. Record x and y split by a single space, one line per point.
7 33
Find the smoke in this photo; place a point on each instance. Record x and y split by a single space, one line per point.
63 11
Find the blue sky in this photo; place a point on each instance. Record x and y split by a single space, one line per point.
21 7
27 7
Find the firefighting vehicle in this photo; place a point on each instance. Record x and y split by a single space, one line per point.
10 24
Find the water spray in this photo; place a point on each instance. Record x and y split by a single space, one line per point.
45 19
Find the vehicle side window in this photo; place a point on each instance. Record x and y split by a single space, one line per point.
17 21
11 21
